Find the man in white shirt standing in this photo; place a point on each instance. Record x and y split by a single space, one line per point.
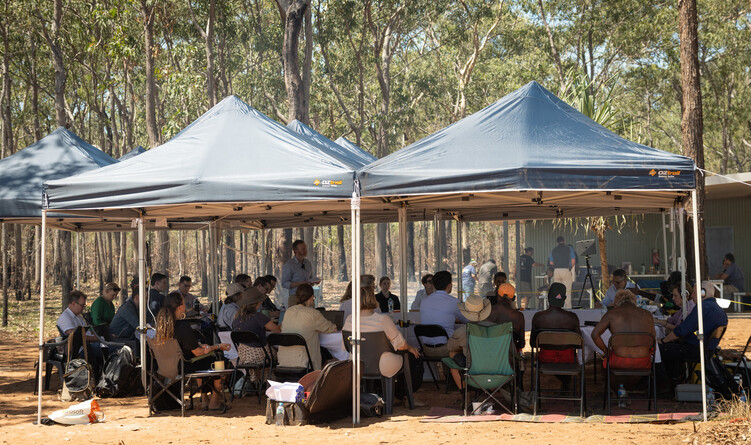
297 270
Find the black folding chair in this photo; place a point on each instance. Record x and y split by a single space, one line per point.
288 373
633 340
741 366
559 340
373 345
250 339
432 331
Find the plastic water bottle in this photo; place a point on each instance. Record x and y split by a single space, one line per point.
279 414
391 306
710 400
622 394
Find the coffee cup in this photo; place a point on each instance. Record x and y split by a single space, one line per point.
218 366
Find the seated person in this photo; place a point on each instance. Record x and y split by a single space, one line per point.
476 310
618 281
303 319
371 321
159 285
732 275
505 311
230 307
269 305
498 279
674 320
251 318
440 308
71 319
126 320
547 281
673 351
345 303
384 296
169 325
102 309
183 286
243 279
555 318
427 284
625 317
250 293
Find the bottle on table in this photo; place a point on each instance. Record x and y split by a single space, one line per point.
391 306
710 399
196 305
622 394
279 417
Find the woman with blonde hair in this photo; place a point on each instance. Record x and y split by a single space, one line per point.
170 324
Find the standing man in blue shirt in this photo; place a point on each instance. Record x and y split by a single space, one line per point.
297 271
562 259
469 278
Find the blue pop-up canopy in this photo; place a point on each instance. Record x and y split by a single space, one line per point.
135 152
58 155
350 153
231 163
529 155
357 150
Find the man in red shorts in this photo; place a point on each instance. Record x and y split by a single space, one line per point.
555 318
625 317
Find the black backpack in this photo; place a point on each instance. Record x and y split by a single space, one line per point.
120 377
720 379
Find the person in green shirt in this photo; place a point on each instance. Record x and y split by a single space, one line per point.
103 310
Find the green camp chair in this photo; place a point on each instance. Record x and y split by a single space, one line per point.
490 364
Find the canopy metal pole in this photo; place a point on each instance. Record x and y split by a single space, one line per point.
674 257
355 345
212 267
42 289
78 261
459 262
664 244
403 264
682 259
142 299
700 316
436 243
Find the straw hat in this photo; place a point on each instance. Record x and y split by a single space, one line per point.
234 288
475 308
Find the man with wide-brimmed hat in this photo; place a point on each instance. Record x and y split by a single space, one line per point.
475 309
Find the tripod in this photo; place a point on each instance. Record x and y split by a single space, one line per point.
584 285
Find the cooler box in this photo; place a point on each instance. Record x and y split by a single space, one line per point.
688 392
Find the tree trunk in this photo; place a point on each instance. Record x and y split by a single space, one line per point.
3 249
123 267
229 239
691 118
292 13
602 244
208 38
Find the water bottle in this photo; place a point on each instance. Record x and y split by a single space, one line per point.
710 400
391 306
196 305
743 397
279 414
622 394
